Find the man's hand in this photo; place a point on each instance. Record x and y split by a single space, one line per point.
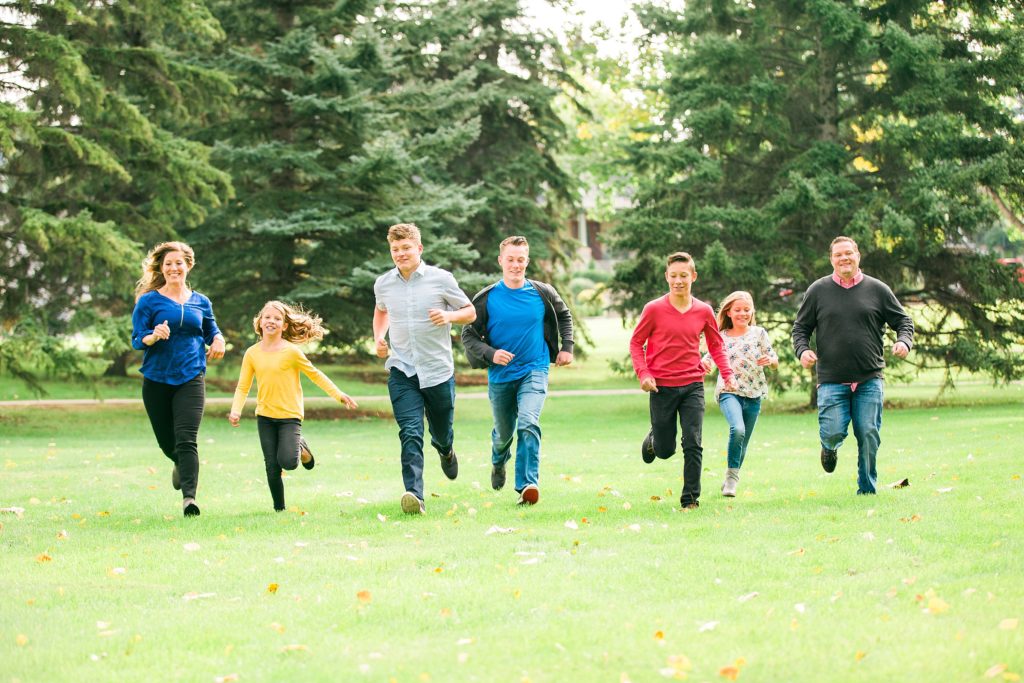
649 385
503 357
216 349
233 419
563 358
808 358
382 348
900 350
438 317
349 402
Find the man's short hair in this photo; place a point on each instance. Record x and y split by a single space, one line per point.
681 257
404 231
513 241
842 238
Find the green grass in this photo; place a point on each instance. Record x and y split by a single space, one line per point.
604 580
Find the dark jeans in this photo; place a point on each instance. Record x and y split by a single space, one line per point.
279 439
686 402
175 411
409 403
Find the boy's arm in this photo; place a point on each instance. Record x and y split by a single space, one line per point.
637 347
381 322
716 349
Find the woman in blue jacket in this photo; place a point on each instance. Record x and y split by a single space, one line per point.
174 325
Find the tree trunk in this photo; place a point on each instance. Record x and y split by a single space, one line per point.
119 365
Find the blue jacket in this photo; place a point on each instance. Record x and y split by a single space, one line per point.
181 357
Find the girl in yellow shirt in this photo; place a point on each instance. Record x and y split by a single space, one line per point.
275 362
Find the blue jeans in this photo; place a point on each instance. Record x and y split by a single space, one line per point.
837 406
741 413
409 403
516 406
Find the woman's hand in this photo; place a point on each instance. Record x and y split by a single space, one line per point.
216 349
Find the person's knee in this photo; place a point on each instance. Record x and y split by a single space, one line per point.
737 432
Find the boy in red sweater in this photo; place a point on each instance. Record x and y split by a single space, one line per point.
665 347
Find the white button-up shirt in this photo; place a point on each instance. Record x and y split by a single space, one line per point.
418 346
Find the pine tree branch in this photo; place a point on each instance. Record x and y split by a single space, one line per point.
1004 210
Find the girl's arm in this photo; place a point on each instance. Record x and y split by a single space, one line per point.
242 389
768 355
324 382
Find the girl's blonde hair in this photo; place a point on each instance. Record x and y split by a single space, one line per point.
152 275
300 326
724 322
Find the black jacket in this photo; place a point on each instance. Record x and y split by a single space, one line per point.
557 323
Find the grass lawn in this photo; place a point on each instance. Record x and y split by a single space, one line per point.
796 579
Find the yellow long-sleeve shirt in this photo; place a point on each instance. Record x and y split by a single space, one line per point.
278 389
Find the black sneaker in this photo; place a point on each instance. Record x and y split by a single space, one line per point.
175 479
497 477
450 464
306 455
692 505
829 459
647 449
191 510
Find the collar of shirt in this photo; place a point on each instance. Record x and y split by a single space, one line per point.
416 273
847 284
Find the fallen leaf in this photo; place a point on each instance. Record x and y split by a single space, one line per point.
995 670
859 655
196 596
294 647
364 597
381 517
748 596
602 508
655 498
226 678
21 640
708 626
191 547
272 587
730 672
16 511
937 605
798 552
902 483
277 627
800 607
627 506
945 490
43 557
1008 624
659 635
499 530
62 535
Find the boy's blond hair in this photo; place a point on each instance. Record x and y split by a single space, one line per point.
404 231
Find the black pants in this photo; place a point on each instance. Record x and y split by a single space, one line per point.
279 439
175 411
686 402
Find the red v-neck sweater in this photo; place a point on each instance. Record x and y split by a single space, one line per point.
666 343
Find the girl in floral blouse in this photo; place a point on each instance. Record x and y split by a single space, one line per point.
749 351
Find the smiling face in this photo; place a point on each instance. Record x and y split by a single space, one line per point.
680 276
845 259
174 268
513 261
740 313
406 255
272 322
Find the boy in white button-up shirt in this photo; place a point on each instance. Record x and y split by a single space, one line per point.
416 306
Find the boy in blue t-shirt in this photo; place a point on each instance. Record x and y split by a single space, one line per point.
519 323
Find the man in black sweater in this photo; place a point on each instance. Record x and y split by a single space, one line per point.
849 311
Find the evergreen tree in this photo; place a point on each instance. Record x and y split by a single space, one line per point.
90 174
323 160
788 122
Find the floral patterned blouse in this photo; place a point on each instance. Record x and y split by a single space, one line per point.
743 352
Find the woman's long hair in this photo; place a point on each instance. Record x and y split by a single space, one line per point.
152 275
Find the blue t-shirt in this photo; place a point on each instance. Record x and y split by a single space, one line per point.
182 356
515 322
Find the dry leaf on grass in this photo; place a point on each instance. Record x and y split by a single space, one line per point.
295 647
1008 624
364 597
226 678
995 670
272 587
